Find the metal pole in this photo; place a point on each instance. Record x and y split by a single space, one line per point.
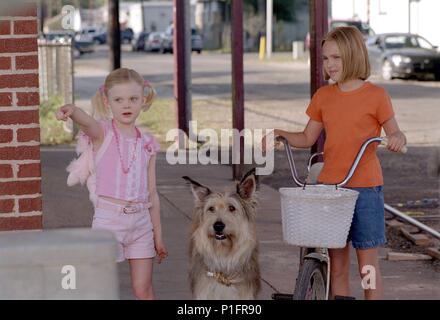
42 13
114 34
408 219
318 28
237 82
188 51
75 126
368 11
142 15
409 16
182 71
269 23
354 9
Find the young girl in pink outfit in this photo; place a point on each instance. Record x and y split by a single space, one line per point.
120 168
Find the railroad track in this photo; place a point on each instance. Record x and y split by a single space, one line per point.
422 230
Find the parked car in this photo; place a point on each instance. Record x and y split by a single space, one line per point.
81 43
127 35
363 27
403 55
167 41
138 42
98 34
153 42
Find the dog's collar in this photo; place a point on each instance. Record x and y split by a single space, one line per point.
221 278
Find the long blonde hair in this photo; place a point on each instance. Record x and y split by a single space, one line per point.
354 54
119 76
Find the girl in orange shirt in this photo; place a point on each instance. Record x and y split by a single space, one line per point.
351 110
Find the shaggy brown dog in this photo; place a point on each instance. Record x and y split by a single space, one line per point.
223 242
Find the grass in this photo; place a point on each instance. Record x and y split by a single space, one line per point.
213 114
162 117
51 130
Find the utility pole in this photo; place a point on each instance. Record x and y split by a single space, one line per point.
354 9
43 13
143 15
114 34
269 22
368 11
237 86
319 12
182 65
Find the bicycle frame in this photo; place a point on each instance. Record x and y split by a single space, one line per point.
358 158
321 254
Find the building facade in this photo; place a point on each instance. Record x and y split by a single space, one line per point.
415 16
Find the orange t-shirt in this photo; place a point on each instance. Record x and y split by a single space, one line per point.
350 118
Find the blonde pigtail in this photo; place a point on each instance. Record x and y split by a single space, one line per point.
149 97
99 110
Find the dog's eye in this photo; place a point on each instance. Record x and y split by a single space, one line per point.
211 209
231 208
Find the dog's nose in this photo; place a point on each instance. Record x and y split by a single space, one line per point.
218 226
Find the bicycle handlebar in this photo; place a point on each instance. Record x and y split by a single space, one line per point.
358 158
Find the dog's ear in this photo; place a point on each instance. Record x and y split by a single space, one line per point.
248 185
200 192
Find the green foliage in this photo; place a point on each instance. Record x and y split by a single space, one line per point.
52 130
284 10
160 118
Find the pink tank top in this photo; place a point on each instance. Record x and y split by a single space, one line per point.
111 181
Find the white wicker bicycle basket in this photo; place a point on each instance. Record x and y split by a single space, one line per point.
318 216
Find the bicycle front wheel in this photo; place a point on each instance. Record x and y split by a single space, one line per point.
311 282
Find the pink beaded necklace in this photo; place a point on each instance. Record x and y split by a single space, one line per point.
133 156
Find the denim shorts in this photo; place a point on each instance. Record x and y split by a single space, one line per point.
368 226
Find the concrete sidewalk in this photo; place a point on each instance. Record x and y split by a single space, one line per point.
170 277
69 207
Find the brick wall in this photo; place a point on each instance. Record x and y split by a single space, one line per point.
20 170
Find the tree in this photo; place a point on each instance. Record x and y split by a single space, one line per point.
284 10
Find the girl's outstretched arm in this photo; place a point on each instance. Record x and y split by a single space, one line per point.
88 124
155 210
303 139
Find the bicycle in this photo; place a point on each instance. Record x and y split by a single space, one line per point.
313 280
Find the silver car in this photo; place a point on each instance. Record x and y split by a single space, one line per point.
167 41
153 42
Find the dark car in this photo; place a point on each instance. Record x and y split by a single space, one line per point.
98 34
167 41
81 43
138 42
127 35
363 27
403 55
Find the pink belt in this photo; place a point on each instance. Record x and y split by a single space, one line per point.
120 208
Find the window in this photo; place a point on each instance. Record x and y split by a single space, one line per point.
423 43
397 42
403 41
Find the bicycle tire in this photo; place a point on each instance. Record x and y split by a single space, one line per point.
311 281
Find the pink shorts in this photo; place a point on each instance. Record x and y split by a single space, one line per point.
133 231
